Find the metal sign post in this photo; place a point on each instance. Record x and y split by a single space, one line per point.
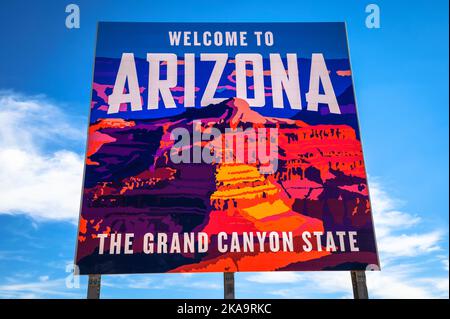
94 283
228 285
359 284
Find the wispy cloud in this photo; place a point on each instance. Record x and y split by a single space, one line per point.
170 282
14 255
275 277
444 260
42 178
400 234
43 287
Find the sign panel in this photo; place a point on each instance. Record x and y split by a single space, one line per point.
223 147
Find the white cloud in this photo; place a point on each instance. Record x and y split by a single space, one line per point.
275 277
167 284
141 283
55 288
411 281
38 180
301 285
444 260
396 231
409 245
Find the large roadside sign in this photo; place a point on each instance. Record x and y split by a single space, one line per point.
223 147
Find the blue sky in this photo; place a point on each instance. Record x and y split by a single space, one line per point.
400 73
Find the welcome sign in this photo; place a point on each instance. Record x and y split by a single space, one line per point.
223 147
